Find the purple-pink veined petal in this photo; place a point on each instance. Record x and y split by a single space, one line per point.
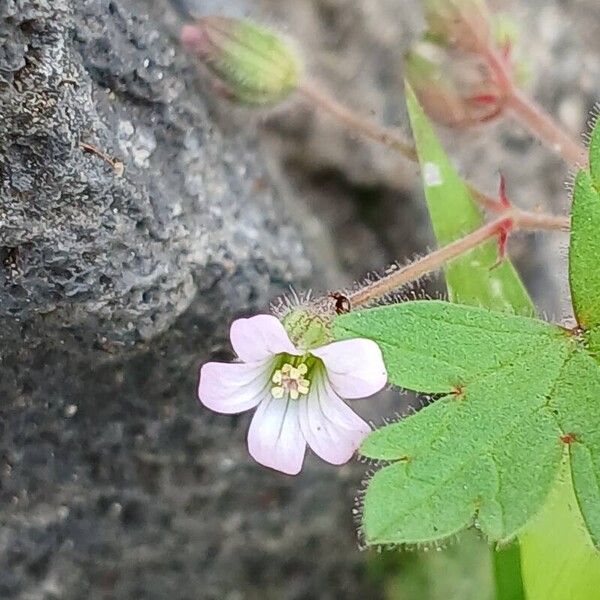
234 387
274 437
331 428
355 367
260 337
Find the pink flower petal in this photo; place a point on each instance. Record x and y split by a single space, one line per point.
274 438
260 337
233 388
331 428
355 367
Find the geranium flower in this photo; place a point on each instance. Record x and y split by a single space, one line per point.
298 394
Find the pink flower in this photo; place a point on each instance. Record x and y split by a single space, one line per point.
298 394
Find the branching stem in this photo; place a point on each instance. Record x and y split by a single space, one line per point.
391 139
526 111
513 219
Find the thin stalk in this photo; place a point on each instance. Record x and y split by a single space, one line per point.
391 139
355 122
532 116
512 220
528 113
506 564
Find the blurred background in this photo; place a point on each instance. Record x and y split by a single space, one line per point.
114 483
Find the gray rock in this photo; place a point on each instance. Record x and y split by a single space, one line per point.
113 482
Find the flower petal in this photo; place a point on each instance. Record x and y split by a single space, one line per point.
331 428
233 388
260 337
355 367
274 437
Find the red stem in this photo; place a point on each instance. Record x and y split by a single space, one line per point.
529 113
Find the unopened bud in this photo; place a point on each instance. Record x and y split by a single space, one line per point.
252 64
454 94
461 24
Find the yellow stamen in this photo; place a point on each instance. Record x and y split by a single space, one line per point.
289 379
277 392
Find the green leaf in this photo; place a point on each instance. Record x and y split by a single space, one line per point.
584 254
489 452
471 278
595 155
435 347
558 559
576 402
488 456
524 391
469 282
469 456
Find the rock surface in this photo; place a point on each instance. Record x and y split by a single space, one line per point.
113 483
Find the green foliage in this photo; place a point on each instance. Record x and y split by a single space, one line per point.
472 281
471 278
584 257
435 347
518 395
486 454
558 559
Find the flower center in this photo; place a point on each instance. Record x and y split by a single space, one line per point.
290 379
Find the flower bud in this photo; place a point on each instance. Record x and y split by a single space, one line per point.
250 62
456 94
307 329
460 24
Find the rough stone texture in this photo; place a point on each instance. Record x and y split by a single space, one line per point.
113 483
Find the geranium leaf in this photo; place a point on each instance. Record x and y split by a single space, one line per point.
584 254
468 457
435 347
470 280
487 456
595 155
576 402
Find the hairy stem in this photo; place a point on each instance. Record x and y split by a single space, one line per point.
357 123
513 219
